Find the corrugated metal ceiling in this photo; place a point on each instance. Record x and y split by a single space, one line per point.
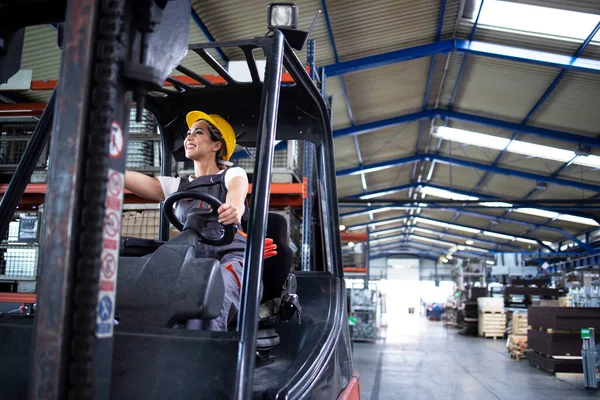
502 89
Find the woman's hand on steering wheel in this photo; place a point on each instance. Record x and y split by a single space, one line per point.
228 231
230 213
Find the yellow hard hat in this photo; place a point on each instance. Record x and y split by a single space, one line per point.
221 124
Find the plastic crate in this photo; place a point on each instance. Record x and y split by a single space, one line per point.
141 223
13 141
143 147
19 251
18 262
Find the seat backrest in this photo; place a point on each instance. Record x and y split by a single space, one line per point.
276 269
169 286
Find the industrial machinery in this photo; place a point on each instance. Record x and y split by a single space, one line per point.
116 51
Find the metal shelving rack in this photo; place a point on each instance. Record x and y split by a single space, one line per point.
365 309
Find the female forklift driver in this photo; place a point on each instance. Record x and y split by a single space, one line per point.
209 142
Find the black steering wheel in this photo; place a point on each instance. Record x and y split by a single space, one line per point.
228 231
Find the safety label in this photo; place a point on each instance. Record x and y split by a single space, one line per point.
116 140
115 183
105 308
111 223
110 253
109 266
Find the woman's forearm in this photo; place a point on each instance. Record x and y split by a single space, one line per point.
144 186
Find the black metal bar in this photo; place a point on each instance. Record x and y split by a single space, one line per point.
307 202
22 174
251 64
193 75
165 170
179 86
214 64
307 206
58 248
326 179
253 257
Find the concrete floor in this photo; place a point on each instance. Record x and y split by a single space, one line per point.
420 359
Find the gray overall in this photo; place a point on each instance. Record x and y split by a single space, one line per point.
231 256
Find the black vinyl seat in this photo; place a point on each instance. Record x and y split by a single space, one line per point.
150 272
137 247
276 269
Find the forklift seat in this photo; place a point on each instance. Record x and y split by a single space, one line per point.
185 287
277 268
168 286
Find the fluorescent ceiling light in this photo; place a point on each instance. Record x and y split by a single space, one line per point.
387 239
588 161
446 225
426 239
385 232
540 151
520 239
445 194
470 138
536 20
372 211
555 215
391 221
498 235
378 194
496 204
469 242
508 237
516 146
449 256
375 224
367 170
489 262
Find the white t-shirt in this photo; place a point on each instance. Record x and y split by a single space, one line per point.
170 184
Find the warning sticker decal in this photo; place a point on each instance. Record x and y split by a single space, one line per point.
116 140
109 264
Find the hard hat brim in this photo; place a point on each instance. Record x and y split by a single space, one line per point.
194 116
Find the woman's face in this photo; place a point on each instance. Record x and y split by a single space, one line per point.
198 143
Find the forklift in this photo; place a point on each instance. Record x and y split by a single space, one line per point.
108 307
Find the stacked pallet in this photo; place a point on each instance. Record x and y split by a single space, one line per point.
554 341
519 325
517 345
492 324
492 319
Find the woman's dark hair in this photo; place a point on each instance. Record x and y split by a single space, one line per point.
216 136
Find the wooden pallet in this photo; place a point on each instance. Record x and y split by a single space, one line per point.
492 324
493 335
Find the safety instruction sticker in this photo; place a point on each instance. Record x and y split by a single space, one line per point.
109 264
116 140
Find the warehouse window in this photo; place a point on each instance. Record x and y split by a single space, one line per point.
536 20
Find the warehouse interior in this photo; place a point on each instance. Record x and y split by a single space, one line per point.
435 162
